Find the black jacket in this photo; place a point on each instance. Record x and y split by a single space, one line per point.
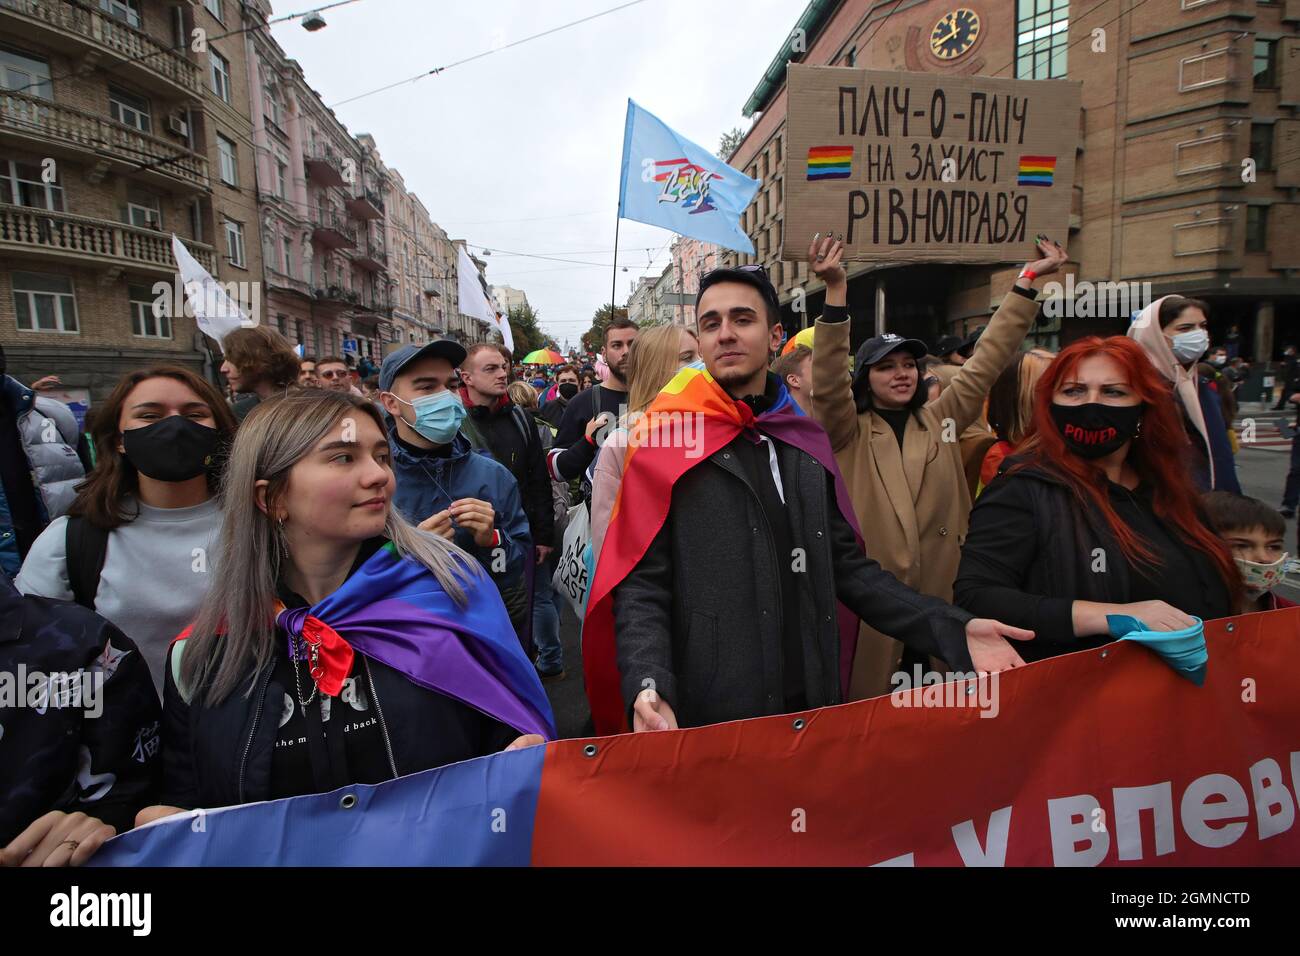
553 412
701 614
94 751
221 756
1033 549
509 435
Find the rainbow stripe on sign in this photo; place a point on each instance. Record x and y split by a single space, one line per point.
830 162
1036 170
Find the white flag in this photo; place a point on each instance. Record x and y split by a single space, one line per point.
216 313
474 301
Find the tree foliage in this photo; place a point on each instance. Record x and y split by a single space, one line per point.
594 338
730 140
527 333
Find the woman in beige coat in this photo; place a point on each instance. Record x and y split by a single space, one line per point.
901 458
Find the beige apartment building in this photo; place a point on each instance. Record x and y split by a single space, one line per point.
1184 92
109 144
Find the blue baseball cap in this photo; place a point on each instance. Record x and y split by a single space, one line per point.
448 349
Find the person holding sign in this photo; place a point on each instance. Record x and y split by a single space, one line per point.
901 457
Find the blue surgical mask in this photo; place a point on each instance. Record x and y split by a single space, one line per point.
1190 346
698 363
437 416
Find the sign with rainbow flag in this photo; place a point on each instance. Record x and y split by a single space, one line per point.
923 167
1105 757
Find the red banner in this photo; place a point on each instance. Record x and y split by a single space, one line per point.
1100 757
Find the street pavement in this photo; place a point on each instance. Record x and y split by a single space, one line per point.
1262 465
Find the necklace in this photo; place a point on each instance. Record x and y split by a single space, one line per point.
296 655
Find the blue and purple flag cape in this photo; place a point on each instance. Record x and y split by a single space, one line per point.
394 610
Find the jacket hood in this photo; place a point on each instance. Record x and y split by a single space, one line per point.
495 408
16 395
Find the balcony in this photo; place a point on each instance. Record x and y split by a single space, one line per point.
323 167
335 295
332 232
46 235
101 40
109 146
366 205
372 259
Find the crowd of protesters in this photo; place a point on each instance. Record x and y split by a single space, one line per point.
203 559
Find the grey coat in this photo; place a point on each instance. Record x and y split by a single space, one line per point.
700 614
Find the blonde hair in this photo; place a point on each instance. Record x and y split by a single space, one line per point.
652 361
232 638
522 394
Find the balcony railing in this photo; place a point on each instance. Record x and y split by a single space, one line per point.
331 231
36 118
98 241
374 258
325 167
366 205
336 295
122 44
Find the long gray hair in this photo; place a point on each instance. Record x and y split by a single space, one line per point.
232 638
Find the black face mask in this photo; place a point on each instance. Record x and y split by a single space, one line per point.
174 449
568 389
1095 430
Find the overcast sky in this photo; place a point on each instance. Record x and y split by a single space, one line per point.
519 151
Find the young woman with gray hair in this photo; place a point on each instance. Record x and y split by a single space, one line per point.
340 645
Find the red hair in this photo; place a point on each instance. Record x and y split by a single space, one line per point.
1159 455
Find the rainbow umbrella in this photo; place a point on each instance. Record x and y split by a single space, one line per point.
544 357
802 337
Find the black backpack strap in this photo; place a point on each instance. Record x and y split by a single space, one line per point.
87 546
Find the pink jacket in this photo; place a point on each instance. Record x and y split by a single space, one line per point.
605 481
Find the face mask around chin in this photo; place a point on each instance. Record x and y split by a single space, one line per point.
1259 578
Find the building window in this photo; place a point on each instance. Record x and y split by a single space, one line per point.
272 108
1256 228
127 11
281 178
298 333
229 161
25 74
145 322
220 74
235 242
287 247
143 210
21 185
1261 145
1265 64
44 303
1042 36
213 7
129 110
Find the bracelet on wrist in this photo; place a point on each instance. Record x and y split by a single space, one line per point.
1029 274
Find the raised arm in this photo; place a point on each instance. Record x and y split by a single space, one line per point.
832 384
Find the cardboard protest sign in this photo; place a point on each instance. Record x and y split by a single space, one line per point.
922 167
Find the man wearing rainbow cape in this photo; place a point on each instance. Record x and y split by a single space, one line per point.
716 594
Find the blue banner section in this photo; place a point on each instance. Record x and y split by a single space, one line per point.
669 181
477 813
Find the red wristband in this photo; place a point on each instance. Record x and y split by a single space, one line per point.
1029 274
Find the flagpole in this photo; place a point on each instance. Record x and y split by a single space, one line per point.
613 282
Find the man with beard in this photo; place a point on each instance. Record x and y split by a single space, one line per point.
577 441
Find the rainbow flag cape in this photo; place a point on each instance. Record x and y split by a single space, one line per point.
649 472
394 610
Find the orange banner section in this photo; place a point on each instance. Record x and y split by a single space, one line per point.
1099 757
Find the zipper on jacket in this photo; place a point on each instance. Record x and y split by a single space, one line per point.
379 710
257 719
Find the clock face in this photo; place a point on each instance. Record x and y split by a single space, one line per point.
955 33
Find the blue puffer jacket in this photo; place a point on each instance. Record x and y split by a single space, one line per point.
427 484
49 435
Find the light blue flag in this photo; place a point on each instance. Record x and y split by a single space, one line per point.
671 182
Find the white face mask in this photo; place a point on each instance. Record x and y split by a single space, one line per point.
1261 578
1190 346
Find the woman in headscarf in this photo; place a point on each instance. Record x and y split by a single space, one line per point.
1172 332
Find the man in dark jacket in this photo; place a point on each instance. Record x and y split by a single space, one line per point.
566 387
731 612
79 718
442 484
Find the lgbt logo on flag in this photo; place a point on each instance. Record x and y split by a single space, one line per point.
1036 170
830 162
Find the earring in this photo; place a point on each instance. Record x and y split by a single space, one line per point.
1138 430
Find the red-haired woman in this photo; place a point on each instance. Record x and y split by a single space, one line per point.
1097 514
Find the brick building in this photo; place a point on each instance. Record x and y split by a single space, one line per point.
1184 91
108 145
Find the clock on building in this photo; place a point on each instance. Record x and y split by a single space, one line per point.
955 33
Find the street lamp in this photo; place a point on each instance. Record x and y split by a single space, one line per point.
313 22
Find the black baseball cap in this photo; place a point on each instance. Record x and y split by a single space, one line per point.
873 350
947 344
755 276
449 349
968 344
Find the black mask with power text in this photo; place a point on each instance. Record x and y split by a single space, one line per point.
1094 430
174 449
568 390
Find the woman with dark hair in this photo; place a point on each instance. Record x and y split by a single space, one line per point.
900 456
138 541
1172 331
259 363
1097 514
1011 407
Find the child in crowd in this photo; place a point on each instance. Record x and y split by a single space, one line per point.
1255 533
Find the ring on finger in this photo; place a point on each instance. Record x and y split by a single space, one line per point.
72 843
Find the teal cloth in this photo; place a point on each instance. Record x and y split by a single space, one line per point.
1185 651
